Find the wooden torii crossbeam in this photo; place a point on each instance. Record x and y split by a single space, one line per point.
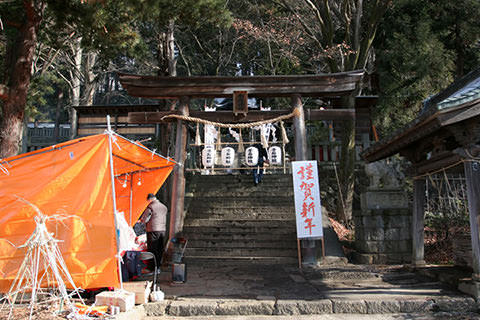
326 85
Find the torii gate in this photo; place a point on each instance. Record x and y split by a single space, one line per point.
329 86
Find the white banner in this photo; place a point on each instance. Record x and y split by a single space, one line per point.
308 210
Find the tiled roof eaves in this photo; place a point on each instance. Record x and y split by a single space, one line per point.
458 100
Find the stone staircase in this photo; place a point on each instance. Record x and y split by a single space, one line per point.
230 219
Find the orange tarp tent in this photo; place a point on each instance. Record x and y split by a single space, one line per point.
72 181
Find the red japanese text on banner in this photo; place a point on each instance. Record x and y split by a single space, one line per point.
308 210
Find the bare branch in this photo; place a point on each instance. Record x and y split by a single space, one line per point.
318 15
180 52
310 32
65 79
201 47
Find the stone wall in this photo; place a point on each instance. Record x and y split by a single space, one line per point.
383 228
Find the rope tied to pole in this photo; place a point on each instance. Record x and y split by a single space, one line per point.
294 113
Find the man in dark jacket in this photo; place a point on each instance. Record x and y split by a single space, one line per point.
262 159
155 219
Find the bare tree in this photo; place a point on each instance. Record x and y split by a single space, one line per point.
342 33
14 91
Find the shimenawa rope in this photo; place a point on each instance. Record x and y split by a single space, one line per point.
294 113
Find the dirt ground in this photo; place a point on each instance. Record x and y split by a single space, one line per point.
23 312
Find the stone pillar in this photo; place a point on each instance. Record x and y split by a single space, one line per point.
418 222
383 228
178 183
472 175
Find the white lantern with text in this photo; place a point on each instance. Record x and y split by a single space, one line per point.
208 156
251 156
228 155
275 155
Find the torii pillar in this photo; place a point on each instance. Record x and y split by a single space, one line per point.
178 185
309 251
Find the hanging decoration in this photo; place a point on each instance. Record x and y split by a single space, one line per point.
234 134
210 134
208 156
228 156
198 139
284 133
273 133
212 138
251 156
219 139
263 136
275 155
265 128
240 141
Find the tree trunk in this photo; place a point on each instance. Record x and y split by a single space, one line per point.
56 132
167 66
77 52
90 82
172 61
347 165
13 109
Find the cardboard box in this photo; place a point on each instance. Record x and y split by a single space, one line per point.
141 289
119 298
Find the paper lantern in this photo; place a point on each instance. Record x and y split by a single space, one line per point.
251 156
228 155
275 155
208 156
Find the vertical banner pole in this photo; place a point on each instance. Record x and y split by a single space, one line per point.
299 250
112 178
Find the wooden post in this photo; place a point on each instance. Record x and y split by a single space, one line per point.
472 175
299 129
178 184
418 222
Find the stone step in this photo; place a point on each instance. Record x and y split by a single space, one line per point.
230 218
221 223
247 183
241 215
237 177
244 244
245 236
216 261
247 252
231 191
268 230
238 202
195 210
